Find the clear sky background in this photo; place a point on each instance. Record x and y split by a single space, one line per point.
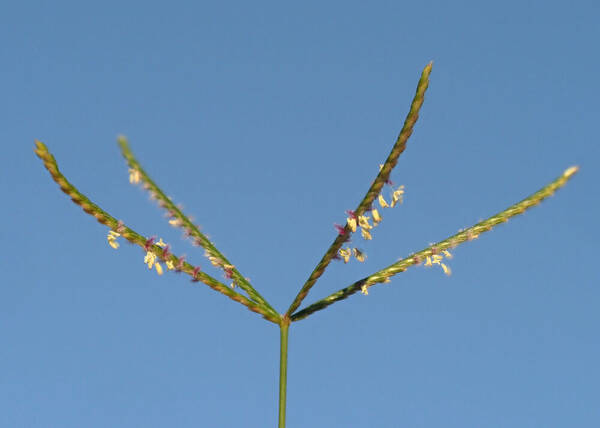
268 120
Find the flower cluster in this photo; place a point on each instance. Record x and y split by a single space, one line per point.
436 259
346 253
112 239
397 198
150 259
175 219
218 262
363 222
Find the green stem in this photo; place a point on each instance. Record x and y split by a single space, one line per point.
284 327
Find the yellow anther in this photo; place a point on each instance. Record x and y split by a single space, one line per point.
397 196
150 259
345 253
382 202
376 216
359 255
134 176
352 223
363 221
365 234
446 269
436 259
112 239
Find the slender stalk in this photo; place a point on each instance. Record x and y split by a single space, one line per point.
373 191
194 231
417 258
284 326
135 238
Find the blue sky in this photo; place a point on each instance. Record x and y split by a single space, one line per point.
267 121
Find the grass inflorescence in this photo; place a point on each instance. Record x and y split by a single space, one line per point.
158 252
